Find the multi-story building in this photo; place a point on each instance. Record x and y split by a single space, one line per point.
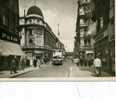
84 36
9 35
32 33
105 34
37 38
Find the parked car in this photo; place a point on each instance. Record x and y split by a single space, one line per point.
57 60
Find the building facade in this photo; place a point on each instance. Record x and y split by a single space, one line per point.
105 33
37 37
83 45
9 35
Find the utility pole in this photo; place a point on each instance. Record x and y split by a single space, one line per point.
58 31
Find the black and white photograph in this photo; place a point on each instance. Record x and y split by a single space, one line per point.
53 39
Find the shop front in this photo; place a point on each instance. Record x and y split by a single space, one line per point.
104 49
9 50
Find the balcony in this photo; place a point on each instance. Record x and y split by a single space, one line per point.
83 2
83 23
81 11
88 47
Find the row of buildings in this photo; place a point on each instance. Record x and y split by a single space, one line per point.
28 36
95 34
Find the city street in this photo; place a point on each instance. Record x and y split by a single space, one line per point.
68 69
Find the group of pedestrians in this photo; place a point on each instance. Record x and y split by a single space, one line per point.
37 62
96 63
16 63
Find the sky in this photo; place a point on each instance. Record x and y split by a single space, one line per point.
62 12
57 90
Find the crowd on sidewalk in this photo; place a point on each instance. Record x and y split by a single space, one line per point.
95 65
16 64
20 66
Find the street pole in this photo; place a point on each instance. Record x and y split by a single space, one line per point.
58 31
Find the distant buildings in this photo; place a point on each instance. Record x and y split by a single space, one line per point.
9 35
37 38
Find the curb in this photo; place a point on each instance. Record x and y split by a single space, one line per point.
15 75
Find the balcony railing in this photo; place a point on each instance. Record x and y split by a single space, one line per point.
33 47
86 47
89 47
83 24
81 2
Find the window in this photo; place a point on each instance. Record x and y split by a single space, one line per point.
41 23
31 41
30 32
5 20
81 11
101 22
37 20
30 20
1 19
112 20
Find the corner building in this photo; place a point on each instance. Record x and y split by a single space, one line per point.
37 38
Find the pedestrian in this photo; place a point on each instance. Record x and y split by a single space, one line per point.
98 64
23 63
13 66
35 62
38 63
17 64
27 63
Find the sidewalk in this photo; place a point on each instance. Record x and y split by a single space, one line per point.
86 68
6 74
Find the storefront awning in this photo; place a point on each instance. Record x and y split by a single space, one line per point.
8 48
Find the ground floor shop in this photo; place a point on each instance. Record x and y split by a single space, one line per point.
8 51
44 55
86 57
106 51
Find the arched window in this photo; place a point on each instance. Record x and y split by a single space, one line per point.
30 21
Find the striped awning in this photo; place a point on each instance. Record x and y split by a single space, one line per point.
9 48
